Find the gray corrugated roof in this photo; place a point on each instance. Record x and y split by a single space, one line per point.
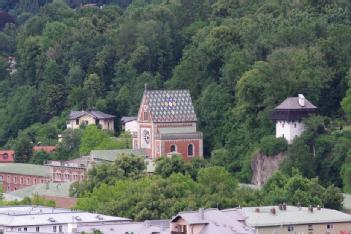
30 216
112 155
292 215
292 103
175 136
170 105
50 189
126 119
96 114
25 169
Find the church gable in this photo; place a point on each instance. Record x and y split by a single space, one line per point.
144 114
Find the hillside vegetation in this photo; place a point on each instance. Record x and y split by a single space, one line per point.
239 58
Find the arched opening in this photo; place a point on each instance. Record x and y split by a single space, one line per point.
173 148
191 150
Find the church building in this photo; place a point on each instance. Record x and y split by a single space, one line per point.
288 117
167 124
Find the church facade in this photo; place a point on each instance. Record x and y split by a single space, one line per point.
167 124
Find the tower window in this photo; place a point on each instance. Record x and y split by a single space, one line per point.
173 148
190 150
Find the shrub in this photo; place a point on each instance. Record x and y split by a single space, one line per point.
269 145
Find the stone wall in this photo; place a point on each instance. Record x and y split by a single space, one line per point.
263 166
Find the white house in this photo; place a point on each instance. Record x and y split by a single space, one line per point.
130 124
288 117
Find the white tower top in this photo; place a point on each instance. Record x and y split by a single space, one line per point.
301 100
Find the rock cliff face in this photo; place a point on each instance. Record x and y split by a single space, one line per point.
263 166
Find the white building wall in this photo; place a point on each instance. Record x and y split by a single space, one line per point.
131 126
289 129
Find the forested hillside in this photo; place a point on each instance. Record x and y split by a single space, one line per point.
239 58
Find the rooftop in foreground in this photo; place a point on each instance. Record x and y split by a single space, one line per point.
263 216
30 216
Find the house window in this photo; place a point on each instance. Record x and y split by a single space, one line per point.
8 179
77 121
190 150
294 125
28 181
54 228
173 148
25 229
21 180
34 181
19 229
15 179
290 228
37 229
310 227
60 228
97 121
330 226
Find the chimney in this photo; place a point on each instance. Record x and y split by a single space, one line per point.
301 100
284 206
273 211
310 208
202 213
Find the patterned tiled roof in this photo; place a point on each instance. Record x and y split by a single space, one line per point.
170 105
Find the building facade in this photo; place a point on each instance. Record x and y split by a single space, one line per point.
285 219
7 156
167 124
288 117
15 176
130 124
78 118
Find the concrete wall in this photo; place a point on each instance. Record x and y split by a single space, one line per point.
289 129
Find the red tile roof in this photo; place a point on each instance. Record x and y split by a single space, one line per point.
7 156
46 148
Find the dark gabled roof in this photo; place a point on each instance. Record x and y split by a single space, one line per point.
170 105
96 114
292 103
126 119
